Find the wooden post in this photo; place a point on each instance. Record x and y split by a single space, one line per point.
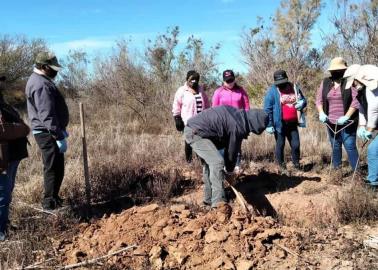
85 159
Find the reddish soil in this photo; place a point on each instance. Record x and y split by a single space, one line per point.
182 235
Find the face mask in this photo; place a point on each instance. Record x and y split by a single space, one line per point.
359 86
50 72
337 74
282 86
193 84
230 85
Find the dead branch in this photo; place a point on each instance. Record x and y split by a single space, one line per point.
94 260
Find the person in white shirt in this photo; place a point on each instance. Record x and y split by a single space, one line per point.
365 79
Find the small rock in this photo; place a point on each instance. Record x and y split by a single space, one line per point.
252 231
185 214
155 257
179 254
178 208
217 263
170 233
192 226
216 236
244 265
197 234
161 223
195 260
148 208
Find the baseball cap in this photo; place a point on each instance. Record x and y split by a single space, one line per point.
228 75
48 58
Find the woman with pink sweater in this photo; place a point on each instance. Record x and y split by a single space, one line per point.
190 99
231 94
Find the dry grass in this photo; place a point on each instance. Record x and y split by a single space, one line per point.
356 204
127 160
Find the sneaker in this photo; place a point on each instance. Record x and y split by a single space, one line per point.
238 170
2 236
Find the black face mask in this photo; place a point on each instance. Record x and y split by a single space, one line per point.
50 72
282 86
193 84
337 74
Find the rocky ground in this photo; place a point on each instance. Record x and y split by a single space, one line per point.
184 235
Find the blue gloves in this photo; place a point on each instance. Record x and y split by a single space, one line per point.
62 145
270 130
364 134
360 132
323 117
299 105
368 135
66 134
342 120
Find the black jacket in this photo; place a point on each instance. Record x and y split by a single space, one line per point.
17 148
227 126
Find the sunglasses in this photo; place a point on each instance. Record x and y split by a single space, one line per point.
231 80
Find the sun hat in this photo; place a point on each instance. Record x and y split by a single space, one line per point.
350 74
337 63
368 76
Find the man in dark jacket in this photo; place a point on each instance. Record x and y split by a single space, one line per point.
48 114
218 128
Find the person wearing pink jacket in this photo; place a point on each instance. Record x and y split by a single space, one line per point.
190 99
231 94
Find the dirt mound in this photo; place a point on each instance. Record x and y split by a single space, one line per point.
181 238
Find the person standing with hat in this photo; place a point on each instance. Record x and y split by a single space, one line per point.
337 105
282 102
365 80
231 94
49 117
190 99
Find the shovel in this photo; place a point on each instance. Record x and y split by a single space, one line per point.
240 199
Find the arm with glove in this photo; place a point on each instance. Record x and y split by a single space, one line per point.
176 110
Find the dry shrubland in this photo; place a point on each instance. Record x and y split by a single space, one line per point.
135 154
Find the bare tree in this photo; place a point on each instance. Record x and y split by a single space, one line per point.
356 35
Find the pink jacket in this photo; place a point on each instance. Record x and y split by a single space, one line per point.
184 103
237 97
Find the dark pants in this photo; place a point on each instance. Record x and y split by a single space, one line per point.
188 152
289 131
53 168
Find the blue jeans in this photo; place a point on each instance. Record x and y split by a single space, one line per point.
7 181
213 164
372 157
346 137
289 131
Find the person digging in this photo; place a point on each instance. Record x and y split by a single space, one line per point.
217 128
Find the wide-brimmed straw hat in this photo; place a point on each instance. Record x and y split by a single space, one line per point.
337 63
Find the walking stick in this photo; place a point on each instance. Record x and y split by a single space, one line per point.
358 159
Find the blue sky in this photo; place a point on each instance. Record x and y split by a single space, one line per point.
95 25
